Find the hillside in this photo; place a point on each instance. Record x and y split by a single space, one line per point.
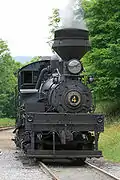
23 59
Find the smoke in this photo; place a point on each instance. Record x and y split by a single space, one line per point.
72 16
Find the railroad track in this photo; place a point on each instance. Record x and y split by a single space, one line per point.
60 173
102 171
6 128
48 171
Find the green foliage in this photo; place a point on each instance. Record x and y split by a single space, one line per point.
54 21
102 17
6 122
104 65
7 81
110 109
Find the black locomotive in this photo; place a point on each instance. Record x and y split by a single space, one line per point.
55 118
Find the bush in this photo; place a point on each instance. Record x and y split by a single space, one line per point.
110 109
6 122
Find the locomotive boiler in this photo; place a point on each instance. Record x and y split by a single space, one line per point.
55 110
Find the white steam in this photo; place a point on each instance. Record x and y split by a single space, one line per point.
72 16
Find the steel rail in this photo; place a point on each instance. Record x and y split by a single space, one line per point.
46 170
103 171
6 128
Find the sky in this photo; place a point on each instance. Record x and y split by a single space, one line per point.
24 25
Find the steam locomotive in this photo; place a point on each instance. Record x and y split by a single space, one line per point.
55 118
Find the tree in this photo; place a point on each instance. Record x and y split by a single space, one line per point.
7 81
54 21
102 17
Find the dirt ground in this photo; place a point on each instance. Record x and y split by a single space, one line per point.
11 166
8 150
5 140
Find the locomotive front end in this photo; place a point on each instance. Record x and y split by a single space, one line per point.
57 119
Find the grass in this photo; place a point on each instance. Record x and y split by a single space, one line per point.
6 122
109 142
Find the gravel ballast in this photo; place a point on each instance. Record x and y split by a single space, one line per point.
12 168
112 168
79 173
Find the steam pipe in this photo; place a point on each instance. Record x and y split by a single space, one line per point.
41 77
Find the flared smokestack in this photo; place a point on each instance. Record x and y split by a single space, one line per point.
71 43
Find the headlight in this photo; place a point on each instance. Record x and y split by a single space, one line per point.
74 66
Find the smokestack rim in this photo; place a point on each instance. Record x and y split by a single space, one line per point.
71 33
